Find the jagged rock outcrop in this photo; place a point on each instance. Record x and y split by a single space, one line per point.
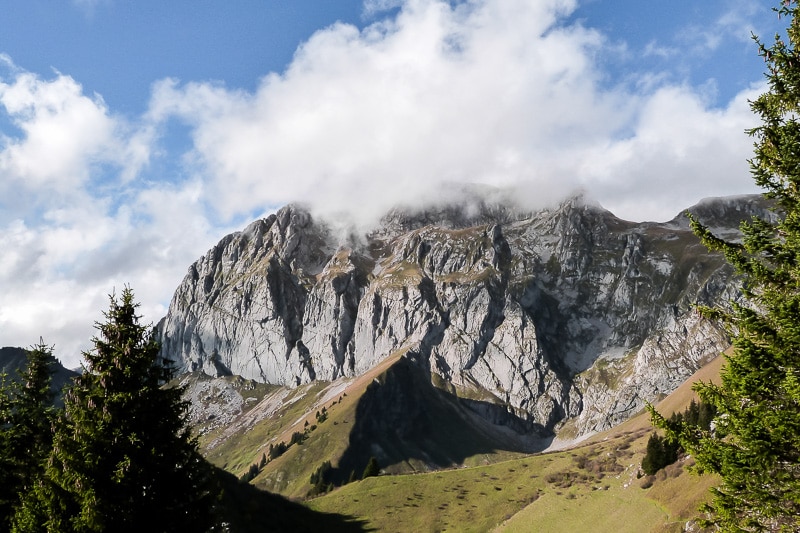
564 315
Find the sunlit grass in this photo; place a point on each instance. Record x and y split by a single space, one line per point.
595 487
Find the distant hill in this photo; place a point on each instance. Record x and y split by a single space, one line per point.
13 360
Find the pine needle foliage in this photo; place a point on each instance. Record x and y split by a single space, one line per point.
123 459
26 436
754 442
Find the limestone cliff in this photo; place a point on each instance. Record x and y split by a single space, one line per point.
566 316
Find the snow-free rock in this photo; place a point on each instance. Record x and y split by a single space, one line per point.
566 315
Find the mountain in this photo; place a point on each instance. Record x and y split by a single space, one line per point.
13 361
562 321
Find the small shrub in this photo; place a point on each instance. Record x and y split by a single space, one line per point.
673 470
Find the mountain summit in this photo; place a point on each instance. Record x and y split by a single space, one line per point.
568 319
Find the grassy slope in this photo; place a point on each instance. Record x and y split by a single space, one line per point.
450 435
249 510
593 487
289 474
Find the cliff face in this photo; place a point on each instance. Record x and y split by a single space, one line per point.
567 316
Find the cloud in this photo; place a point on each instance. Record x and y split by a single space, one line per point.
55 276
478 92
64 139
733 25
737 20
680 151
89 7
497 93
57 120
375 7
654 49
78 219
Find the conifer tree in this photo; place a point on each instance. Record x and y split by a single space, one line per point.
754 441
123 459
6 461
654 458
26 435
372 469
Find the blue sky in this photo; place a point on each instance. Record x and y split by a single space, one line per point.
119 48
134 135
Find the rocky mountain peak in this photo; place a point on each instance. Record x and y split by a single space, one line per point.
723 215
567 317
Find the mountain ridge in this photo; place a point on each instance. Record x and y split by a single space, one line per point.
13 362
569 317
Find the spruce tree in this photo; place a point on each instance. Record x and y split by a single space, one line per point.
6 460
123 459
26 435
753 443
372 469
654 458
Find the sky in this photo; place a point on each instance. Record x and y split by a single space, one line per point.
135 135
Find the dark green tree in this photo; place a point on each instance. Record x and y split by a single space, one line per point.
705 415
692 414
372 468
7 497
660 452
319 479
26 433
277 450
653 459
754 440
123 459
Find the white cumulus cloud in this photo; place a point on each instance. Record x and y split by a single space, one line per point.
498 93
77 218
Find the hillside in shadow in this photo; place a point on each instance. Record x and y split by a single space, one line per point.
247 509
403 419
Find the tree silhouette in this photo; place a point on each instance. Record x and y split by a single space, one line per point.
123 459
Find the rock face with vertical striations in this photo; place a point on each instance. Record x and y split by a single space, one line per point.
565 317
